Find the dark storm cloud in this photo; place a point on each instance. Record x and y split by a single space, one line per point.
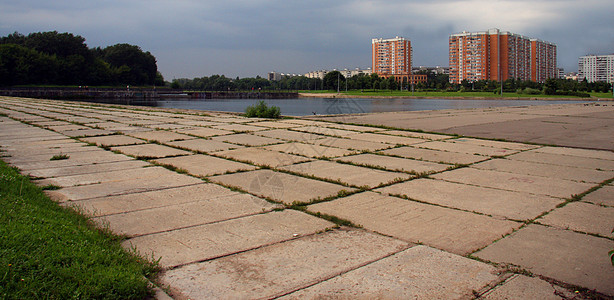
248 38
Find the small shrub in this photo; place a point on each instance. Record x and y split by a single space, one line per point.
530 91
59 157
261 110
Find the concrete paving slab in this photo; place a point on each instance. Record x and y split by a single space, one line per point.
524 287
274 124
203 131
113 140
167 126
394 163
495 144
136 121
326 131
200 192
75 159
416 273
45 153
582 217
353 127
86 132
205 165
203 145
238 127
262 157
281 187
564 255
173 217
289 135
302 122
565 160
200 243
87 169
43 144
447 229
545 170
48 137
420 135
435 155
246 139
602 196
100 177
119 127
516 182
351 144
451 146
128 186
49 122
507 204
68 127
309 150
198 123
348 174
150 151
385 138
598 154
161 136
278 269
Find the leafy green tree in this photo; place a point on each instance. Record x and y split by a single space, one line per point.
550 87
333 80
20 65
130 64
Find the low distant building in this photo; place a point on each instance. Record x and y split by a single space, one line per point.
561 73
275 76
434 70
345 72
572 76
596 68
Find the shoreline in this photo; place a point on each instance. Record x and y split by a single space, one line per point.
335 95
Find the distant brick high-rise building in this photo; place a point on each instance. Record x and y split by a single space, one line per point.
393 57
497 55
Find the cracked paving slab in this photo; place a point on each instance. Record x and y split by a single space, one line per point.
559 254
204 242
281 187
281 268
448 229
507 204
419 272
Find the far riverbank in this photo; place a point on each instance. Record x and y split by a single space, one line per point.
446 95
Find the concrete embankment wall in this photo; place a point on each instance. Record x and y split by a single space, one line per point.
129 93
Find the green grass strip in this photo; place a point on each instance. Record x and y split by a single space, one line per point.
51 252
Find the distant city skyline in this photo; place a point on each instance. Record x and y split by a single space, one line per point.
249 38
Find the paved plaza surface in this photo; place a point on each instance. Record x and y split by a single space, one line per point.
240 207
579 125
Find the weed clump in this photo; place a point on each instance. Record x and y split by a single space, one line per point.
60 157
261 110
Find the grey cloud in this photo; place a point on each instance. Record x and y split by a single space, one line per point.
246 38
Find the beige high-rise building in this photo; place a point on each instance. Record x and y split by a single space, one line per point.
596 68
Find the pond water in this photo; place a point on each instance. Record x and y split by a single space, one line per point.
325 106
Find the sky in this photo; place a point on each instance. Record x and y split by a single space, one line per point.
246 38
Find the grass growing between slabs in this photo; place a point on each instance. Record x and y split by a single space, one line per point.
51 252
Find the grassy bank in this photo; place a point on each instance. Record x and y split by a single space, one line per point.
51 252
443 94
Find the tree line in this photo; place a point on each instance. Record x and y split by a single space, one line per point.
52 58
334 81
